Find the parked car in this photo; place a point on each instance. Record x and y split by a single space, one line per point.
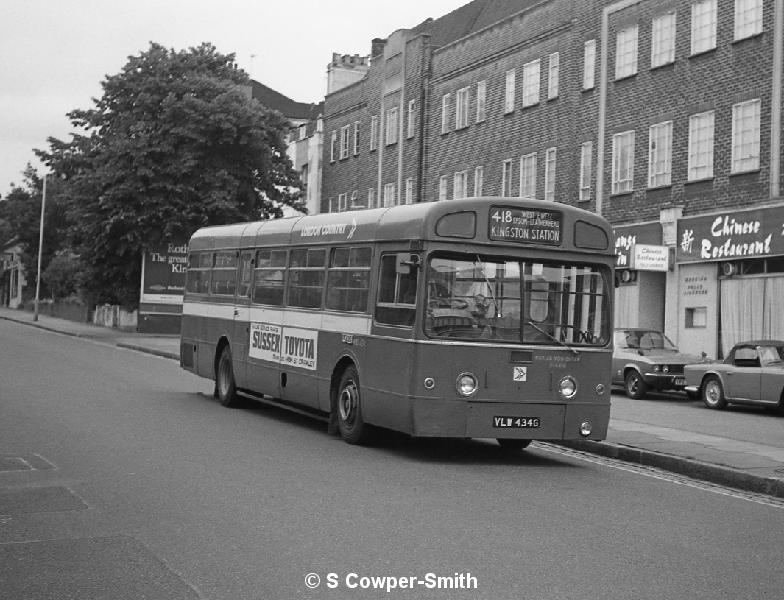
645 359
753 373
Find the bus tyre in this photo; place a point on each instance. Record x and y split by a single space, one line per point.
635 386
508 445
349 408
713 393
224 380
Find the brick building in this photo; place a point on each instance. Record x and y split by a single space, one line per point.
675 104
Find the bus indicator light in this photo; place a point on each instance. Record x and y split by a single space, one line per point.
585 428
429 383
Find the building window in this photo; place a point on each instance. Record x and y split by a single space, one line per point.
354 205
623 162
509 92
460 184
549 174
586 165
345 132
461 109
703 26
531 83
528 175
410 190
411 118
479 181
481 100
700 164
333 143
391 128
445 113
506 178
626 53
443 187
589 64
389 194
748 18
371 197
302 132
696 317
373 132
663 40
356 138
342 202
553 75
746 136
660 154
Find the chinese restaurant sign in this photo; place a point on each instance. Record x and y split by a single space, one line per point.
731 235
626 237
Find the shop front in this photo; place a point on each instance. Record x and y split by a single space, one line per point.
731 279
640 276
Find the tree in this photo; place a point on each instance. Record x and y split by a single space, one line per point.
20 216
174 143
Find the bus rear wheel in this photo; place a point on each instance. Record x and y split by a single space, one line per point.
508 445
349 409
224 380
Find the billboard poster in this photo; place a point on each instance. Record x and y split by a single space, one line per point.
288 346
163 273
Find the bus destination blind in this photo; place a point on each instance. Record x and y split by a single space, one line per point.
524 225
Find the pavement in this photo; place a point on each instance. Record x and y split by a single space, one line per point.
645 439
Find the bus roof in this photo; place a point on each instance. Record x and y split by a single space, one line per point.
487 220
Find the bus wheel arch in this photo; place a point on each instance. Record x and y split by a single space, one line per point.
346 403
225 384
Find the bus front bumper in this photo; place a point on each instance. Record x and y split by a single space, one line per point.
513 420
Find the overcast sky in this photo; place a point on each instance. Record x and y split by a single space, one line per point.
55 53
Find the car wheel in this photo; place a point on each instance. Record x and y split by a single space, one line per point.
225 386
636 388
713 393
508 445
353 428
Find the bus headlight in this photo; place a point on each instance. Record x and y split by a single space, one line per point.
567 387
467 384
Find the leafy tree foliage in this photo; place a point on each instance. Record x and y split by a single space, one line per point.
174 143
20 219
63 275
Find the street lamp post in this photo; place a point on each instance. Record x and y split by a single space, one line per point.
40 251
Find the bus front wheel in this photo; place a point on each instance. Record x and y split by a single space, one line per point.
349 408
224 380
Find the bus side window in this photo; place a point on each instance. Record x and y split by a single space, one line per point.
306 277
348 279
198 277
245 272
224 273
396 302
269 277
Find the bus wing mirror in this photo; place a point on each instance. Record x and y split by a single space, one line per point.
404 262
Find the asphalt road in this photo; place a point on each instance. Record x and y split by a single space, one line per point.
120 476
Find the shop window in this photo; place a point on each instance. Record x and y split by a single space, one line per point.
696 317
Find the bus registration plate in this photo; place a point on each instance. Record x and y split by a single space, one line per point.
516 422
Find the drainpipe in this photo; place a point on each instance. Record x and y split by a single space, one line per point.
775 99
602 121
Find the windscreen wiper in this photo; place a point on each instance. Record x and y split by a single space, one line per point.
552 337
